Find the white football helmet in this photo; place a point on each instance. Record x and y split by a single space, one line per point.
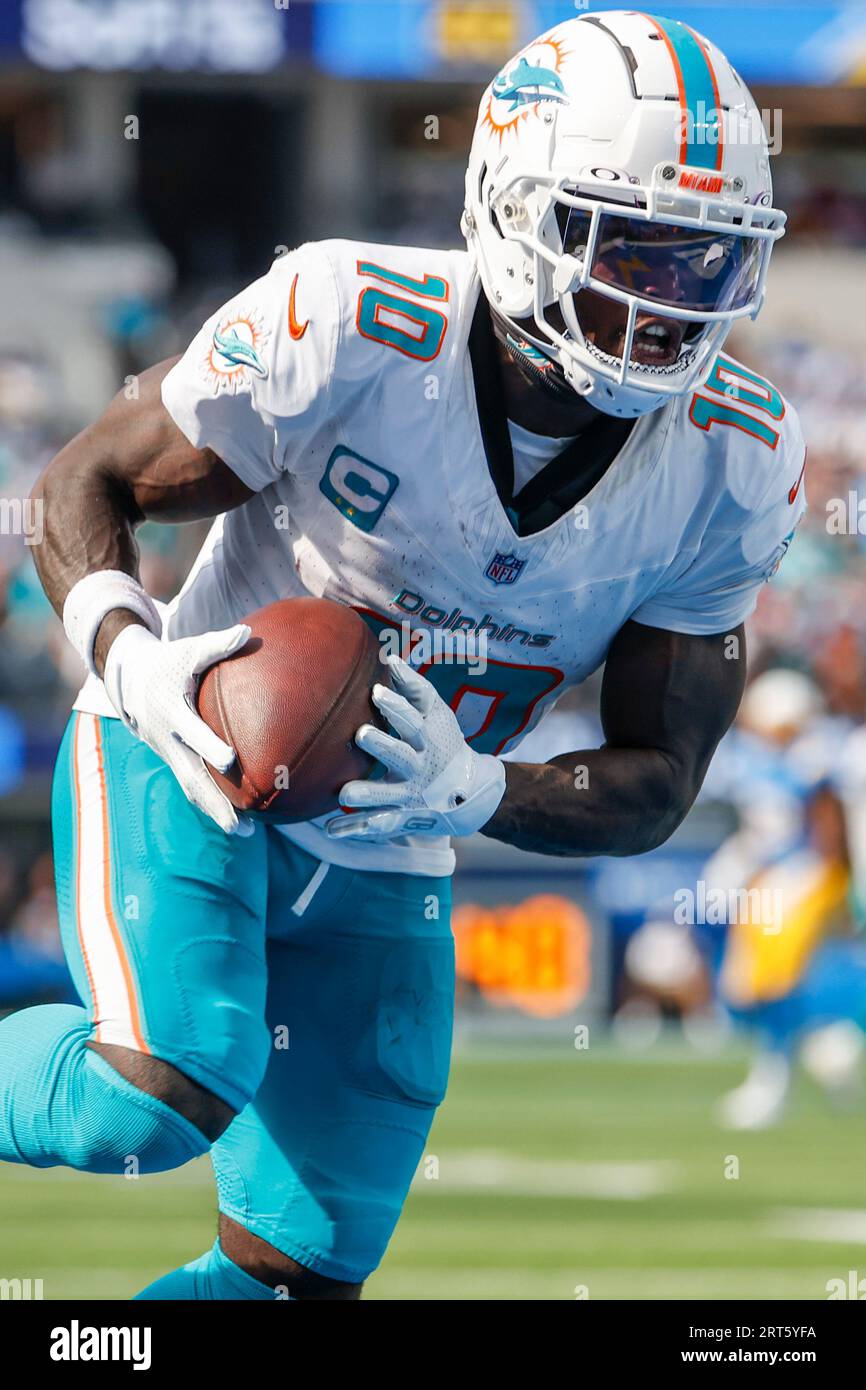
621 154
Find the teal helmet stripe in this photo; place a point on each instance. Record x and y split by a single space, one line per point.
702 142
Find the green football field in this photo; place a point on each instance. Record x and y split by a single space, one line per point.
549 1175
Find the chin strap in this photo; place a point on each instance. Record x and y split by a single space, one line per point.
535 365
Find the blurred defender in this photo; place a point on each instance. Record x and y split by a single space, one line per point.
797 983
538 440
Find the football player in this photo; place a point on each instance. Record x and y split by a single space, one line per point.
538 440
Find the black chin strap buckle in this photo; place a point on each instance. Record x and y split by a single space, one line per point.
543 371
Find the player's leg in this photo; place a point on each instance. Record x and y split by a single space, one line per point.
162 918
213 1276
312 1176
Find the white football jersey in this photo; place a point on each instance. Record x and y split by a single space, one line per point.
339 387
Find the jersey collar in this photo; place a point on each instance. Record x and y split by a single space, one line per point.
562 482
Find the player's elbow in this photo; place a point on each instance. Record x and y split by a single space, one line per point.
668 818
671 798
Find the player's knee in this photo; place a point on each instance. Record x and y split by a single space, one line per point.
208 1112
168 1084
112 1125
63 1103
209 1071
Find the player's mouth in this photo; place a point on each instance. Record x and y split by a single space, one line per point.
657 341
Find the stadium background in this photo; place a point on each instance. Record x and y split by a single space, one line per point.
153 158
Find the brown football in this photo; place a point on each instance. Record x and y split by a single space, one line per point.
289 703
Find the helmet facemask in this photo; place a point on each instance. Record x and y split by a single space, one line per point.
634 299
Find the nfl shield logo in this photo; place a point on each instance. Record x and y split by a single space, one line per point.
504 569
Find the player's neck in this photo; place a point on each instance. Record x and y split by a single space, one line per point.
534 408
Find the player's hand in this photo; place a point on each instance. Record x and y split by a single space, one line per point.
152 685
435 785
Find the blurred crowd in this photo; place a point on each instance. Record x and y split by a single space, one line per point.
39 675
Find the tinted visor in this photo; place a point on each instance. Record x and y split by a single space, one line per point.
677 266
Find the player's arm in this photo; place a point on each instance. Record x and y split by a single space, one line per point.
206 433
131 465
667 698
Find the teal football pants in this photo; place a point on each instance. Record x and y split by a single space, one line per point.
316 1001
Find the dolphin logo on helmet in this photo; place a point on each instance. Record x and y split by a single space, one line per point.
527 84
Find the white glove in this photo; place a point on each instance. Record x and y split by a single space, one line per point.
436 784
152 685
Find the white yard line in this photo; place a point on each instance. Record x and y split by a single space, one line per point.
818 1223
496 1171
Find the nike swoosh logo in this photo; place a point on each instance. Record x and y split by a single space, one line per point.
296 330
792 495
